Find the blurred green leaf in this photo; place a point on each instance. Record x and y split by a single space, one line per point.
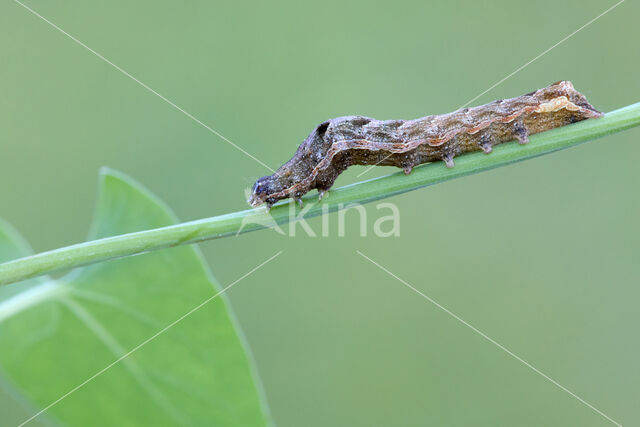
14 409
54 334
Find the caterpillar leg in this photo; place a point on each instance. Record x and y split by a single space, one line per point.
448 160
323 188
407 161
269 203
486 143
520 132
449 151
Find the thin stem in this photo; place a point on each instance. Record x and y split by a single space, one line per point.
361 192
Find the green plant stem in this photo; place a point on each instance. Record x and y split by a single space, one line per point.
361 192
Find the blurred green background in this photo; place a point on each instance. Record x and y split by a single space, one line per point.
542 256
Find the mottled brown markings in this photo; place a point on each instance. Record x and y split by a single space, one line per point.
336 144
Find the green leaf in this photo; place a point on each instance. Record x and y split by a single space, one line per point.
55 334
14 408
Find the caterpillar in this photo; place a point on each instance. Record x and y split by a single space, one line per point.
336 144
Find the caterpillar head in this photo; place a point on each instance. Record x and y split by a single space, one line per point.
262 190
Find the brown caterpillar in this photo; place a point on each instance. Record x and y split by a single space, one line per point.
336 144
